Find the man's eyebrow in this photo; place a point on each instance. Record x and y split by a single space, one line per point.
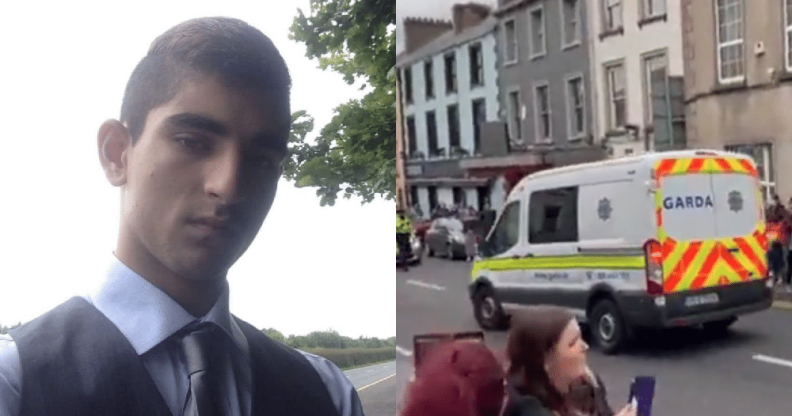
198 122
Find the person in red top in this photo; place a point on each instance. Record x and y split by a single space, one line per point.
778 233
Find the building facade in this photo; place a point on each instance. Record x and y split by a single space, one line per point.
637 49
545 80
544 83
449 92
738 82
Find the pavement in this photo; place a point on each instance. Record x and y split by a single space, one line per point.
747 372
376 386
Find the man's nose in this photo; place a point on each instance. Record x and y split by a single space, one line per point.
223 176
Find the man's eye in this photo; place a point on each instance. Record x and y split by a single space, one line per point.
195 144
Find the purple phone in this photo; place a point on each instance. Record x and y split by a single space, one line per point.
642 391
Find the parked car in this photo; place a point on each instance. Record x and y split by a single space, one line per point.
446 237
417 250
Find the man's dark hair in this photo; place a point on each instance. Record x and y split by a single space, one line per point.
237 54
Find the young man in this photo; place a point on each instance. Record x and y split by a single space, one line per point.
197 155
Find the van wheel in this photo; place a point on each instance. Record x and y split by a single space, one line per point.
488 310
607 326
719 327
430 253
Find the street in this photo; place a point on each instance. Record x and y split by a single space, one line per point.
377 388
748 372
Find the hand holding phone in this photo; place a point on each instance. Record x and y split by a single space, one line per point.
629 410
642 394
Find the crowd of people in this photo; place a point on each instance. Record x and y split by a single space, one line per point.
779 235
547 374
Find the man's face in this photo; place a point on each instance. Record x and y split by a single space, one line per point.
202 177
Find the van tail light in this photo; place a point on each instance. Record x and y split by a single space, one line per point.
653 253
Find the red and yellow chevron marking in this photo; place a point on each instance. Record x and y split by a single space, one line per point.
667 167
697 264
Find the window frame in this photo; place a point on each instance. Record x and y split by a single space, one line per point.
432 152
514 44
645 6
450 130
609 93
480 62
647 81
517 117
570 108
537 112
721 45
429 93
477 132
408 87
532 53
578 30
556 237
605 14
453 78
412 134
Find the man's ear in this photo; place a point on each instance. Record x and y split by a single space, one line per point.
114 143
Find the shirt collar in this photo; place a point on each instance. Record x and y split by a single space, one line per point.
147 316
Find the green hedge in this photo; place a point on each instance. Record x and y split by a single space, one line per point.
353 357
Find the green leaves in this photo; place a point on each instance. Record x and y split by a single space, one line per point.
355 153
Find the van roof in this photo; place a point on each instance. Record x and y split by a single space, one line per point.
649 157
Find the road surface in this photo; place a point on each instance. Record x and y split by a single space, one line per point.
748 372
377 388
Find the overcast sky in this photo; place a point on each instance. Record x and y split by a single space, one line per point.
64 70
438 9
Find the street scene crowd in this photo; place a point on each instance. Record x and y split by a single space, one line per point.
547 374
779 233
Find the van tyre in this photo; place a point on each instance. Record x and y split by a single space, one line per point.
488 310
607 326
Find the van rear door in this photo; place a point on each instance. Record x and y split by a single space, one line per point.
738 215
708 223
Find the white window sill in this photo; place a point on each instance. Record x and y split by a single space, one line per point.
572 45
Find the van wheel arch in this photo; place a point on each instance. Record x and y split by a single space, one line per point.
484 293
602 305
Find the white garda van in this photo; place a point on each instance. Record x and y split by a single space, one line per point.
659 240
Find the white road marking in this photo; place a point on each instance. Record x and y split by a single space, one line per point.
378 381
424 285
773 360
404 352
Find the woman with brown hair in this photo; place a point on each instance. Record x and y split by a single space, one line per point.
547 365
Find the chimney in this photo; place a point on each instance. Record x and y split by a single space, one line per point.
469 15
420 31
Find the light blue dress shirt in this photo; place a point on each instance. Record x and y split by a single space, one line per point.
147 317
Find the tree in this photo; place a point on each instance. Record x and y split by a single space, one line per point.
355 153
274 334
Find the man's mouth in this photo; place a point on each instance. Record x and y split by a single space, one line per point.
214 226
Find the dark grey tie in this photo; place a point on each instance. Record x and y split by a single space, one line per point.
203 353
